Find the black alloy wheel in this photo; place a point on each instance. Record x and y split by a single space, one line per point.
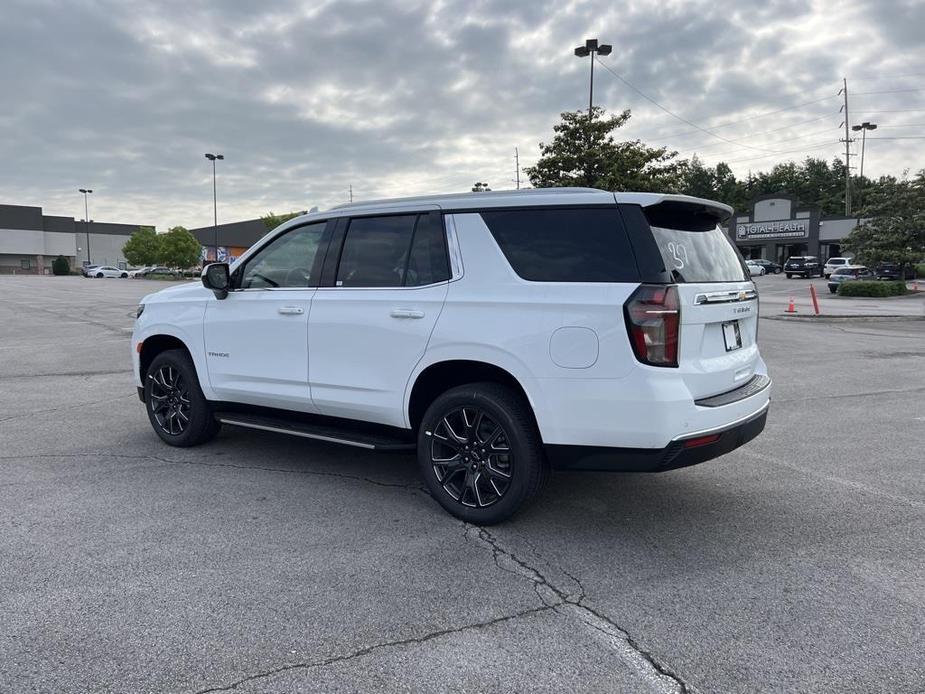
170 400
471 457
480 452
179 413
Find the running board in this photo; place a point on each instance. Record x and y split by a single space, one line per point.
319 432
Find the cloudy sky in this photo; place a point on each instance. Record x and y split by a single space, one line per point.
305 99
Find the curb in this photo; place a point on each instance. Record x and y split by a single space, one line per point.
844 318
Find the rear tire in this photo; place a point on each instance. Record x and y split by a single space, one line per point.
176 407
99 275
789 276
480 453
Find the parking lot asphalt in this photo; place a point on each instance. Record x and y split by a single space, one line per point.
775 292
260 563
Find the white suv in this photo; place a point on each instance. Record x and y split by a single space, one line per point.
497 334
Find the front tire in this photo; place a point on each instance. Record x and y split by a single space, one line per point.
176 407
124 275
789 276
480 452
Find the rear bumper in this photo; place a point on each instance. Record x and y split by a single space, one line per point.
677 454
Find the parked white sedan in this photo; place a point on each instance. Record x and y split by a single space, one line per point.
755 269
109 271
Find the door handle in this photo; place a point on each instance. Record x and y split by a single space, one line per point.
291 310
406 313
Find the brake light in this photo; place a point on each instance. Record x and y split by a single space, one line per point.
653 320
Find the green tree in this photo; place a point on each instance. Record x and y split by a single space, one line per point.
178 248
60 266
583 152
271 221
143 248
893 228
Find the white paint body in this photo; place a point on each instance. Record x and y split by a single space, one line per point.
356 353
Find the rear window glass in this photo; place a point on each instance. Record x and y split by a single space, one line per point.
564 245
699 256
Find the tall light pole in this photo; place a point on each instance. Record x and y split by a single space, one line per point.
863 127
592 48
212 158
86 192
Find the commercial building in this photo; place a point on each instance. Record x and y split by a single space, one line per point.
233 239
777 227
30 241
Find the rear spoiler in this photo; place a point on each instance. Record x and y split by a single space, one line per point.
686 215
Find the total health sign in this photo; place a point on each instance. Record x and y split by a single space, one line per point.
784 229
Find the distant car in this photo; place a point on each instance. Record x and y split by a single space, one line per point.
768 265
803 265
87 270
893 271
848 274
755 269
832 264
140 272
159 270
108 271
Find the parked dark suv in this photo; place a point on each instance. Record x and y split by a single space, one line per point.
894 271
803 265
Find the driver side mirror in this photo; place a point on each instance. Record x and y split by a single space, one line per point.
217 277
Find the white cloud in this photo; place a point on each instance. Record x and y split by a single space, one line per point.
397 98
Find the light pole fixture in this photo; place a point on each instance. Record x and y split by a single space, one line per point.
212 157
863 127
86 192
592 48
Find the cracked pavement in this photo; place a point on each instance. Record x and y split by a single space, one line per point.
260 563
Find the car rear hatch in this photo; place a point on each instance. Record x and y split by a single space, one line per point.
717 349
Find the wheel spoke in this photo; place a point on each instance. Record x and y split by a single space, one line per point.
497 472
456 438
474 486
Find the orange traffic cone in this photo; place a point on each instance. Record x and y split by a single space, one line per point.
791 308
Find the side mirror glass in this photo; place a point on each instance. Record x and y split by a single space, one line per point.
217 277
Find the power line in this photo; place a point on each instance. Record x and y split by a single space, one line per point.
675 115
901 137
900 110
767 132
889 91
792 151
779 142
757 116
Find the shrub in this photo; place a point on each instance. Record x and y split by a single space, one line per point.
920 270
864 288
60 266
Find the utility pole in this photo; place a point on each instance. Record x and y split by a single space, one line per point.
350 193
847 141
517 168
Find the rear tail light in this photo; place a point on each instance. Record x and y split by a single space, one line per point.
653 319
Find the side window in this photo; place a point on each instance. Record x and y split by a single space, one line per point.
428 262
564 245
290 260
375 252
